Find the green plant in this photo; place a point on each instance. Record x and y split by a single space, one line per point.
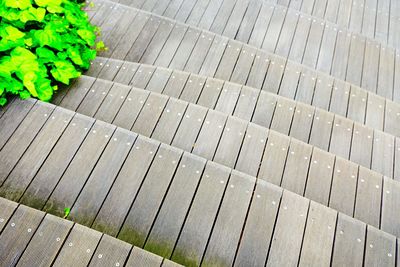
43 43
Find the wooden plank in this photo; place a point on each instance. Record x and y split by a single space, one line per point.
274 29
112 103
131 108
257 233
358 104
209 14
222 17
96 66
320 175
327 47
79 247
383 153
113 211
340 95
73 179
165 231
340 58
157 43
255 37
102 177
307 6
287 33
392 116
305 88
380 249
7 209
175 84
169 121
258 70
311 52
159 80
210 134
290 80
283 116
323 92
296 167
369 197
228 98
231 142
12 118
179 36
349 242
265 108
199 52
46 242
273 162
252 149
110 252
140 257
226 233
243 65
110 70
186 9
368 26
236 19
143 76
289 229
17 234
194 235
361 145
210 93
344 183
397 160
247 103
321 129
369 77
375 116
193 88
300 39
228 60
17 144
94 97
183 50
189 128
356 60
149 115
173 8
319 236
249 19
382 21
126 72
302 122
274 76
344 13
143 212
319 8
386 73
390 200
356 17
341 137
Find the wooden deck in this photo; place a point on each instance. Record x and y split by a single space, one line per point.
214 133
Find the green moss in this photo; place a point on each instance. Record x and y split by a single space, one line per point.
181 257
161 248
130 235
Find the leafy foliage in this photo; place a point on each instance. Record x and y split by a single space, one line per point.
43 43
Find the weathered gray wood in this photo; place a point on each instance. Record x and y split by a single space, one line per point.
392 114
341 134
17 234
283 116
231 142
390 200
171 216
209 135
307 81
288 233
356 60
319 236
110 69
182 48
327 47
252 150
201 216
228 98
302 122
274 76
23 136
349 242
126 72
344 183
112 103
299 39
287 33
248 22
243 65
102 177
113 211
140 257
258 70
226 233
383 153
340 58
358 104
199 52
320 176
79 247
149 199
321 129
236 18
110 252
369 77
260 25
290 80
296 167
222 16
46 242
264 111
169 121
274 29
273 162
210 93
380 248
386 72
189 128
7 209
94 97
175 84
361 145
257 233
193 88
143 76
228 60
69 186
313 46
340 95
247 103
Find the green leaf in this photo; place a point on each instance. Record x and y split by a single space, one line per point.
64 71
21 4
88 36
45 3
34 14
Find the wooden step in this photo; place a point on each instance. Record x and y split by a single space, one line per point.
314 43
327 131
176 204
30 237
